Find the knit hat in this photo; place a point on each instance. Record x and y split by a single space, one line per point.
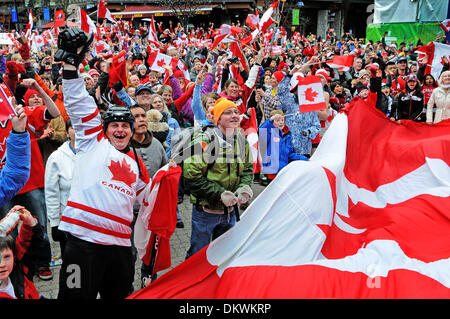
411 77
279 75
93 72
29 93
363 73
178 74
221 106
361 87
86 75
323 73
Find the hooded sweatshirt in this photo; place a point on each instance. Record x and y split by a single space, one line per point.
58 180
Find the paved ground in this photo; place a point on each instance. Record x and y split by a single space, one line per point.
179 245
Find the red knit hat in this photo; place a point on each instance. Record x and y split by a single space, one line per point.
29 93
279 75
178 74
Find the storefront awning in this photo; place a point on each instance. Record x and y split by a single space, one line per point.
61 24
148 11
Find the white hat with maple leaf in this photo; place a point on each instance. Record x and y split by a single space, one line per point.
294 80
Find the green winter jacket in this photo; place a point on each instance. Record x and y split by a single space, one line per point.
217 167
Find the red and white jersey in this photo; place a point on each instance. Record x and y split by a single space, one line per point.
106 182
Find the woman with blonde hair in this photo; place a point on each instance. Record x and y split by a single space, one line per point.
440 97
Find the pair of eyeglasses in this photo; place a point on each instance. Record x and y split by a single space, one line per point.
230 112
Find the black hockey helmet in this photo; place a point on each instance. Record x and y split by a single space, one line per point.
117 113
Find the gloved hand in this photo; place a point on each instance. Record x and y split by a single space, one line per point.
228 198
73 44
118 86
244 194
11 67
373 70
24 51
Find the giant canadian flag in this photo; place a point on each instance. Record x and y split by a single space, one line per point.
366 217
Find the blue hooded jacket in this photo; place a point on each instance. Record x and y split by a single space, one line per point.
16 171
278 150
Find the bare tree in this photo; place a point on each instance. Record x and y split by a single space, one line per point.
183 9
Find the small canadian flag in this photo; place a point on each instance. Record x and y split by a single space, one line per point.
157 60
6 108
310 94
445 25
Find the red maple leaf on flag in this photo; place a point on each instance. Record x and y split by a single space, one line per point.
122 172
160 63
310 95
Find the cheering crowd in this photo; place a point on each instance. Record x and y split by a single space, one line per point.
82 116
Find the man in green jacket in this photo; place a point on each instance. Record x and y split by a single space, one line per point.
219 176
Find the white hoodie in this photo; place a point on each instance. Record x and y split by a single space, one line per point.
58 178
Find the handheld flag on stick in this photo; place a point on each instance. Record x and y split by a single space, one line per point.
6 109
103 12
310 94
87 25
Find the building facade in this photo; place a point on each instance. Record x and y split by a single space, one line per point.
313 16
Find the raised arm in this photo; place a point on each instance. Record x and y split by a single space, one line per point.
73 44
16 171
49 103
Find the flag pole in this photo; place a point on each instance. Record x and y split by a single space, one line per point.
154 254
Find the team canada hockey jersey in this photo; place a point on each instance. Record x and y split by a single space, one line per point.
106 181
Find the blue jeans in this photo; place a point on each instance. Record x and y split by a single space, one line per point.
179 219
207 227
34 201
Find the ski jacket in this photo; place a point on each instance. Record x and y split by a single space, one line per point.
219 164
278 150
16 171
409 105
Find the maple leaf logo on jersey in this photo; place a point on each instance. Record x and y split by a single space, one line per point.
310 95
122 172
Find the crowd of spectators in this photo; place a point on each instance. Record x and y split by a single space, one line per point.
213 103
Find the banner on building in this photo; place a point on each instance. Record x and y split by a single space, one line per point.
408 32
295 16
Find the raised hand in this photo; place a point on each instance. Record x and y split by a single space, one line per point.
19 122
73 44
